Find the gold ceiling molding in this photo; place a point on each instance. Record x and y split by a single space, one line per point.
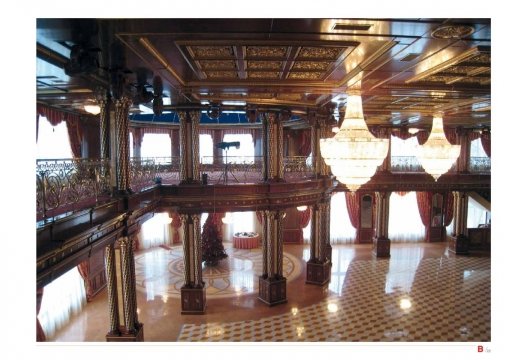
467 56
266 51
308 75
264 65
222 74
217 64
311 65
322 52
160 58
211 51
263 74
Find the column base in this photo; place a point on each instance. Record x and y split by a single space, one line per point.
328 253
318 273
272 291
458 244
193 300
381 247
136 336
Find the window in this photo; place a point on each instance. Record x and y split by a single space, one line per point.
405 224
156 145
476 149
206 149
406 147
245 153
53 141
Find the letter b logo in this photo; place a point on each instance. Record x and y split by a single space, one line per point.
480 348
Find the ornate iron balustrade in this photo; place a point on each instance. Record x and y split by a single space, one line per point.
147 171
411 164
406 164
480 165
297 167
142 173
235 169
64 185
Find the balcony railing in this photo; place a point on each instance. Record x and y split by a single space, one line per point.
64 185
234 169
406 164
480 165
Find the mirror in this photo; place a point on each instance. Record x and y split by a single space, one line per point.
366 212
436 210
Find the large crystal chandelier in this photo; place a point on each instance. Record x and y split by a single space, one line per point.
437 155
354 153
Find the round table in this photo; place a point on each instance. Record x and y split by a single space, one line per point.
246 242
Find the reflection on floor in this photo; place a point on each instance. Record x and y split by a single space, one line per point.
421 293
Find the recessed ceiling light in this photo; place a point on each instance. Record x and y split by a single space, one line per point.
361 27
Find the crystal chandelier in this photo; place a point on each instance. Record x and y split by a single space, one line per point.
354 153
437 155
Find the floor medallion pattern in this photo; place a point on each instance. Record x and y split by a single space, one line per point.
159 272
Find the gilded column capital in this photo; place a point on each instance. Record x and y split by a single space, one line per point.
195 116
271 117
182 116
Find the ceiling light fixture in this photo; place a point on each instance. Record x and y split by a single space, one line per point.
302 208
354 153
437 155
92 109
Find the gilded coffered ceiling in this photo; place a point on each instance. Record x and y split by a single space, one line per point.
406 69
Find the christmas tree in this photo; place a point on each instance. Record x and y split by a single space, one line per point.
212 241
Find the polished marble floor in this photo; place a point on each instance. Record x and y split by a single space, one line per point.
421 293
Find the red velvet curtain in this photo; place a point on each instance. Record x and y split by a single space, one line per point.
40 331
175 225
305 143
305 216
352 204
422 136
424 205
83 269
401 133
486 143
451 136
449 209
74 130
259 216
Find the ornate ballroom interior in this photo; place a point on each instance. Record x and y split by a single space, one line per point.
341 166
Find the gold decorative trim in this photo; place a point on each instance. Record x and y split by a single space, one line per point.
316 52
266 51
159 57
305 75
211 51
311 65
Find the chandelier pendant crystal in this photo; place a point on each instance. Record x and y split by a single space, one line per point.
437 155
354 153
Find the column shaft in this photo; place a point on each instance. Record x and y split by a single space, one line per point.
122 131
111 283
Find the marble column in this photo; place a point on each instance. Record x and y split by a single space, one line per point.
319 264
192 293
381 241
272 139
121 284
217 137
104 124
137 140
272 283
122 143
458 243
189 147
